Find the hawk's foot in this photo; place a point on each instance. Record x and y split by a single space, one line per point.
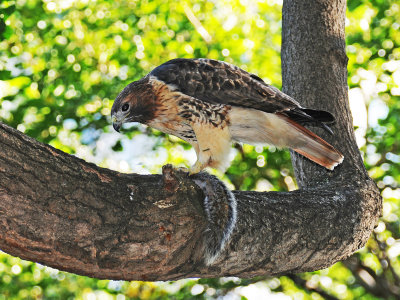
196 168
181 169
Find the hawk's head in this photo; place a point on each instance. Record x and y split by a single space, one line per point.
133 104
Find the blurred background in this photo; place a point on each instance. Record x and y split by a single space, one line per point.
63 62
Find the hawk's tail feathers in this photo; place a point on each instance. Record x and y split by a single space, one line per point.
254 127
316 149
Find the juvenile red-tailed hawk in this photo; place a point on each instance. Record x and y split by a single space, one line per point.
210 104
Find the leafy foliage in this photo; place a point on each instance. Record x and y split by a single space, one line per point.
63 62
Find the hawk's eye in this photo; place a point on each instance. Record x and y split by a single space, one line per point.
125 107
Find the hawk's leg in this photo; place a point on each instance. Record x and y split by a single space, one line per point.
212 147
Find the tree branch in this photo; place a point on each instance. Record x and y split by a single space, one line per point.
66 213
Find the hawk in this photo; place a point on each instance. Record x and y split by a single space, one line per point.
210 104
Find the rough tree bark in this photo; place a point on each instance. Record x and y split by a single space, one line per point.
72 215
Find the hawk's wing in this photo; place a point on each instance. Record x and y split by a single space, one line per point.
220 82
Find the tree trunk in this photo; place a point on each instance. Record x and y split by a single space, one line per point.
66 213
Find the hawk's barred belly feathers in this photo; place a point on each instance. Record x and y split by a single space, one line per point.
211 104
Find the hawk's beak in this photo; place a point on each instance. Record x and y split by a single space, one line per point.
116 123
116 126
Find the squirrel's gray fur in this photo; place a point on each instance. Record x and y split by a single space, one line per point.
220 208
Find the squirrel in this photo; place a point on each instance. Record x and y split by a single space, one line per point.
220 208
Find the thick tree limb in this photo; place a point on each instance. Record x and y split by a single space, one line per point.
58 210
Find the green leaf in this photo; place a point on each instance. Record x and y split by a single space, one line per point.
4 75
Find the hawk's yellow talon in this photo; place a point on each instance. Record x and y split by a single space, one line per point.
182 169
196 168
